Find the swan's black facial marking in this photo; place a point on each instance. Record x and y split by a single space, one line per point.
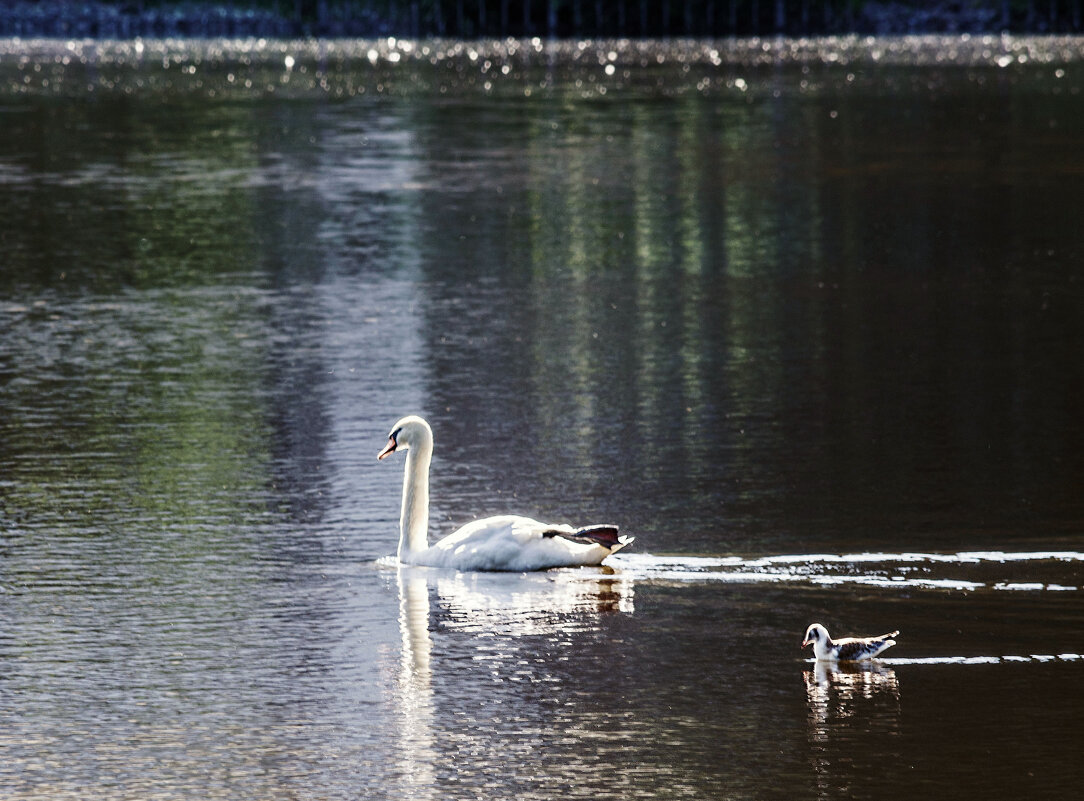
392 445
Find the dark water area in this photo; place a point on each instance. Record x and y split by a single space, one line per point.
705 19
802 316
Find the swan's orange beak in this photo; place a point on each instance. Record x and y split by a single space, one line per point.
389 449
806 642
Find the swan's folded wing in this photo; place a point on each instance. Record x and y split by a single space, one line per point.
512 542
605 535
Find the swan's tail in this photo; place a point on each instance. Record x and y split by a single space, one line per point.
605 535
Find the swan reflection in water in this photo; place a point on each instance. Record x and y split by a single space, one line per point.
849 703
510 604
500 608
414 696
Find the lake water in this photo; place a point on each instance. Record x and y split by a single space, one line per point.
806 318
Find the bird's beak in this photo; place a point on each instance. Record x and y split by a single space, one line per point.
806 642
389 449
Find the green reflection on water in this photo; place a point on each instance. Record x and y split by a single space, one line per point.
137 411
668 260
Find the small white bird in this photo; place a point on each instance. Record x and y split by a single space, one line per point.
847 649
506 542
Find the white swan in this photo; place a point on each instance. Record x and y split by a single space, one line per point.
506 542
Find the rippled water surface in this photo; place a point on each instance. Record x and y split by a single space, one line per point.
804 317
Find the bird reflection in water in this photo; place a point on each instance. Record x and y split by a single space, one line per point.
507 604
522 604
851 704
414 697
501 614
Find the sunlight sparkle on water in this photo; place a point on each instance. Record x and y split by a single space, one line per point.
349 67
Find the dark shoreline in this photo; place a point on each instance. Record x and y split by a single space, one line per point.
568 20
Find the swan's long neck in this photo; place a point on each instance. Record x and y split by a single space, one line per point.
414 518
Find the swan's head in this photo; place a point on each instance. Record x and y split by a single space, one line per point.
410 432
816 633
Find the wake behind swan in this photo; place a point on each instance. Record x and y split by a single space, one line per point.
1002 571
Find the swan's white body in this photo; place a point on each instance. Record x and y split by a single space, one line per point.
505 542
846 649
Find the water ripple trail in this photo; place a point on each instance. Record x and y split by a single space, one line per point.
1025 571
